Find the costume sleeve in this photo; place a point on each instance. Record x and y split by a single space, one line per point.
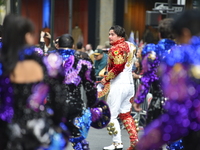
150 63
89 83
54 77
118 60
142 90
6 99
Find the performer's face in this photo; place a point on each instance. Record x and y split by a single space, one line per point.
113 37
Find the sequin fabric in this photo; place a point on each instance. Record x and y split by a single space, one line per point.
6 107
78 73
24 116
117 58
150 64
83 123
153 54
161 49
180 80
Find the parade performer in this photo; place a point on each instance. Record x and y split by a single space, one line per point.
180 83
26 123
78 116
119 76
150 80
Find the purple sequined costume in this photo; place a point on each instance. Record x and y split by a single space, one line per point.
180 80
152 55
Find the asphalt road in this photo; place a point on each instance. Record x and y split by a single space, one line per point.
98 138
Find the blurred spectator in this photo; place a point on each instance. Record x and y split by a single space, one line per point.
79 47
100 46
88 49
45 37
56 42
137 73
80 52
100 61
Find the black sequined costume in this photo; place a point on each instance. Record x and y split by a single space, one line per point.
78 71
25 122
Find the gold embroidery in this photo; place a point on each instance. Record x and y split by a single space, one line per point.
109 61
134 48
129 59
105 90
118 60
110 55
110 75
132 52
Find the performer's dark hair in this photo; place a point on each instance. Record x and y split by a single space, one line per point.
13 39
66 41
189 19
120 31
79 45
165 28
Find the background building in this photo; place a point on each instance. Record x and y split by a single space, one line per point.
92 17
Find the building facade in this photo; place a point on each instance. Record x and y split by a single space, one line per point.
92 17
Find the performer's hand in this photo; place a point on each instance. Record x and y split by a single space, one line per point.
137 107
134 75
48 35
42 33
103 81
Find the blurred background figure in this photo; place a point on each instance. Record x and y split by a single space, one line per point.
44 42
100 62
137 73
81 51
56 42
88 49
79 47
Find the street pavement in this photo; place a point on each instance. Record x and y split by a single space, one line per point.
98 138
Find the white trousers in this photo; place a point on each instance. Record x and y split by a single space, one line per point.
121 90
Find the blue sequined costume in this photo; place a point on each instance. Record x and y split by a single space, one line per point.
180 81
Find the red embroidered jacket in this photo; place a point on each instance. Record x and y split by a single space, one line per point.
117 58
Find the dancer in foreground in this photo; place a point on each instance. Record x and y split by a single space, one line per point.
180 82
26 123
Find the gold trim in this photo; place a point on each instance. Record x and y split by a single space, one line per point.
105 90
